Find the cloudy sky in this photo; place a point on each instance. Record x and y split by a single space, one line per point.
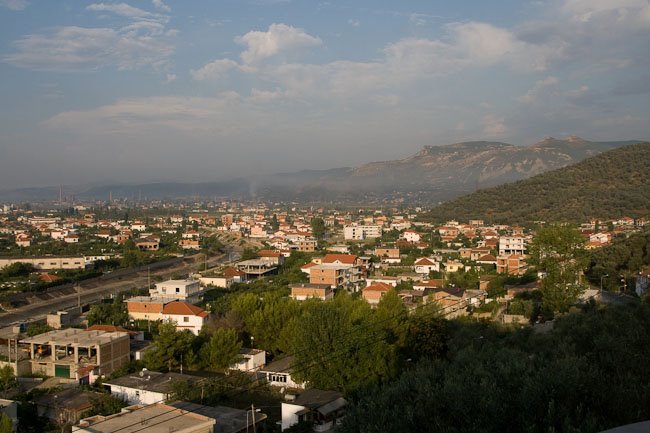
95 92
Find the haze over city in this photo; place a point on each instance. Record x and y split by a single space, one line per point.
97 92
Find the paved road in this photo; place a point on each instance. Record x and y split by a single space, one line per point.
94 291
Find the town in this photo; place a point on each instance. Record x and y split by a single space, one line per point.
234 314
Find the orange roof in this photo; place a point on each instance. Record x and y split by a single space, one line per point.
424 262
378 287
308 265
268 253
183 308
232 272
347 259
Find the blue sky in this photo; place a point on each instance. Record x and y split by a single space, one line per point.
140 91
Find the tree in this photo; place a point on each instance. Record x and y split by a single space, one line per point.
114 313
7 378
36 328
558 251
5 424
221 350
318 227
170 346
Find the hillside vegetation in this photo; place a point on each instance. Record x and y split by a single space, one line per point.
610 185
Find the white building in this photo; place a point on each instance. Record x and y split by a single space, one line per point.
359 233
250 360
185 316
182 290
323 408
146 387
278 373
509 245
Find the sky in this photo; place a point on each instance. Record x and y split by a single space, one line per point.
163 90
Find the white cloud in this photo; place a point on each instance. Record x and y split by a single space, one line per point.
613 12
79 48
158 4
144 41
14 5
539 88
278 38
170 78
218 69
354 22
494 127
122 9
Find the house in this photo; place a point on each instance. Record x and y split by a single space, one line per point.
182 290
256 267
155 418
47 263
148 244
71 239
303 291
322 408
228 419
235 274
185 316
217 281
75 353
411 236
452 301
428 284
373 293
425 265
487 259
278 373
453 266
67 406
273 257
147 387
388 255
391 281
249 360
190 244
511 264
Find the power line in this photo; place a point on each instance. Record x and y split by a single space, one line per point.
344 351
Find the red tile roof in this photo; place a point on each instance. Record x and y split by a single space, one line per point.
347 259
183 309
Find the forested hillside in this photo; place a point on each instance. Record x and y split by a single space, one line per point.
610 185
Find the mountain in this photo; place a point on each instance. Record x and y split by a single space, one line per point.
612 184
434 174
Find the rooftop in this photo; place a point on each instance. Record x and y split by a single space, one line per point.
157 418
152 381
229 420
75 337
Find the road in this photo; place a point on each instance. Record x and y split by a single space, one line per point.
91 292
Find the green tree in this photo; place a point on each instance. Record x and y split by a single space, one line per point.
221 350
170 346
7 378
5 424
113 313
558 251
36 328
318 227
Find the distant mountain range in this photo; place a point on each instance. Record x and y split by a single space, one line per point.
437 172
610 185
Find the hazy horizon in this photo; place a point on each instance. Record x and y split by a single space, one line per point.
135 92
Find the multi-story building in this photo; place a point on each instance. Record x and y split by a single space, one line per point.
513 264
361 232
181 290
512 245
47 263
303 291
78 354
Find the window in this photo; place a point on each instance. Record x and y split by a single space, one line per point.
186 319
178 290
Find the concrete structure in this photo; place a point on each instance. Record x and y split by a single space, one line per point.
278 373
250 360
512 245
157 418
256 267
303 291
323 408
229 420
66 406
388 255
47 263
76 353
147 387
181 290
218 281
361 232
512 264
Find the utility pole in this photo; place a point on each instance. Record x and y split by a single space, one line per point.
253 413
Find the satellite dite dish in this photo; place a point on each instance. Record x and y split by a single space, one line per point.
141 374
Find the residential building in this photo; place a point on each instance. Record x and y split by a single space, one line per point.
322 408
361 232
66 406
185 316
148 244
512 264
47 263
155 418
147 387
425 265
375 292
228 419
512 245
411 236
303 291
256 267
250 360
278 373
190 244
388 255
77 354
182 290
